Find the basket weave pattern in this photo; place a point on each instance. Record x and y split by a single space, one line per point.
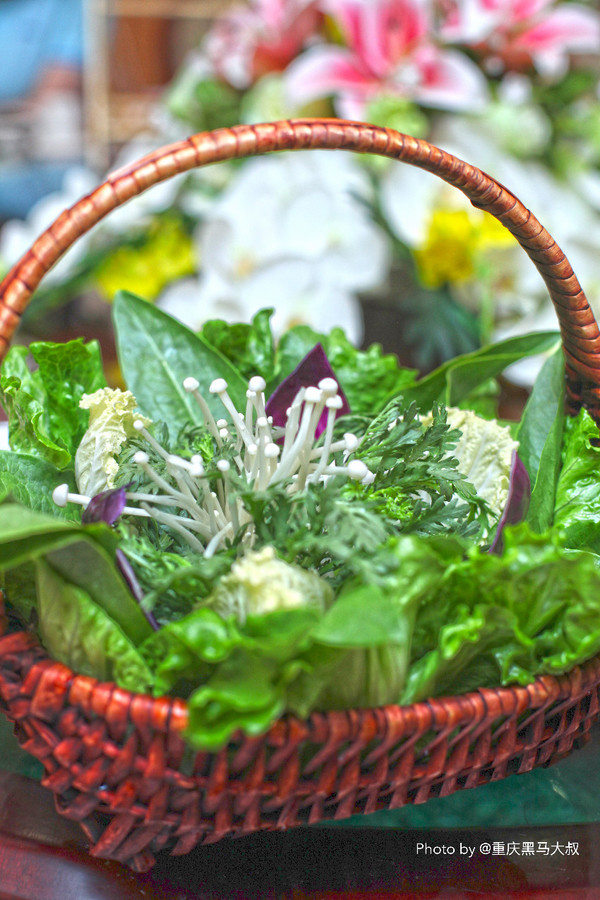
107 752
117 761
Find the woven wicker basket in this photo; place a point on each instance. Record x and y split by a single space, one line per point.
116 761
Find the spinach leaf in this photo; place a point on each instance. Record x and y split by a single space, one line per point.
455 379
157 353
42 404
540 434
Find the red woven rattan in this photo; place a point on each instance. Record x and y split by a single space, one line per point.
116 761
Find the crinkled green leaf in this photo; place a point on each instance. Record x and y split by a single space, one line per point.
249 346
184 650
244 693
42 404
504 619
577 510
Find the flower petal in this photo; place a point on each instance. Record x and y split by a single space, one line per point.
323 71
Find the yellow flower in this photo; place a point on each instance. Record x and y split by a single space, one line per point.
455 244
166 255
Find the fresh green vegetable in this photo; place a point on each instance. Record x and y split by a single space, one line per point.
42 405
484 452
112 414
314 559
78 632
502 619
157 353
540 435
577 510
457 378
83 555
30 480
249 346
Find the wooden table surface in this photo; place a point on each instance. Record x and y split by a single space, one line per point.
43 857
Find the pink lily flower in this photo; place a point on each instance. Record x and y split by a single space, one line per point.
390 51
515 35
260 37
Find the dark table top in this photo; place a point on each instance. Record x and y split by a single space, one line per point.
43 857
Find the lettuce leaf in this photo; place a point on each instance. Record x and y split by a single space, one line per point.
504 619
249 346
577 509
30 480
42 404
82 555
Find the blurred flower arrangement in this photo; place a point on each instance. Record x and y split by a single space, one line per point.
510 85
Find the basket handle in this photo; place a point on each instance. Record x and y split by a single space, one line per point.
579 330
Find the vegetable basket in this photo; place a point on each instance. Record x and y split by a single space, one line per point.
117 761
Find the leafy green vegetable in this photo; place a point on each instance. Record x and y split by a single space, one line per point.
455 379
505 619
112 414
30 481
80 634
577 511
411 460
157 353
368 377
83 555
183 651
248 346
540 434
42 405
260 582
355 653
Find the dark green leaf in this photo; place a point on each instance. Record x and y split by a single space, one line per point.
540 435
77 632
43 404
157 353
454 380
247 346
